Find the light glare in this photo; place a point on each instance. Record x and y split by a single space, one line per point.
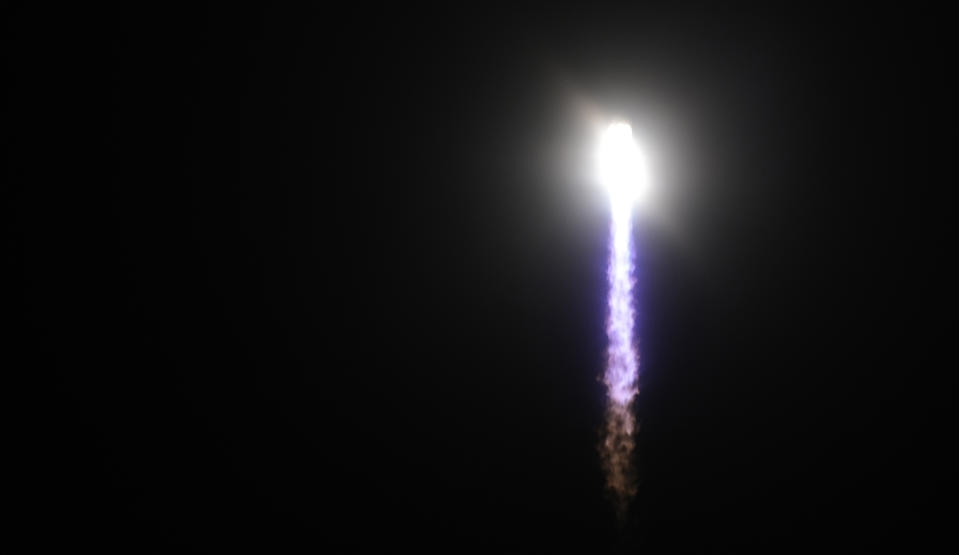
622 169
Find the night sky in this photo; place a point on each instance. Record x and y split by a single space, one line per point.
304 280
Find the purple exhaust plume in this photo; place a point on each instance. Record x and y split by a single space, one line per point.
622 365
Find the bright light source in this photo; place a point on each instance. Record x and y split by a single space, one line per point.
622 169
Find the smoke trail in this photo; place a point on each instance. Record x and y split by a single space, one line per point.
622 363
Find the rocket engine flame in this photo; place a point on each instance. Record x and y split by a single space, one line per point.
623 172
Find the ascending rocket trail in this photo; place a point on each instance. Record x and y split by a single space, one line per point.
622 363
623 172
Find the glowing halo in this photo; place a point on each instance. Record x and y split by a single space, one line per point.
622 167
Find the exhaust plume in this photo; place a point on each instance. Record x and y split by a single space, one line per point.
623 172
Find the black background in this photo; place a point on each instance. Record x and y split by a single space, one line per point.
309 280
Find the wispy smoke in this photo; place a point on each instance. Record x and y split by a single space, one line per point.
622 363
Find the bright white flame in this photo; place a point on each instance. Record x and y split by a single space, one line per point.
622 169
